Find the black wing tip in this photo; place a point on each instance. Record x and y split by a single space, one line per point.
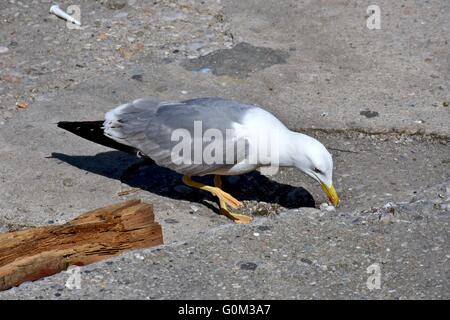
93 131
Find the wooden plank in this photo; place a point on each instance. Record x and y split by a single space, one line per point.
31 254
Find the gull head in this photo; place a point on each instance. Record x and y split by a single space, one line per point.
312 158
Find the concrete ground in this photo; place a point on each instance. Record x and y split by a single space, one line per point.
379 99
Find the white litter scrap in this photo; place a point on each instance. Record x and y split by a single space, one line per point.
57 11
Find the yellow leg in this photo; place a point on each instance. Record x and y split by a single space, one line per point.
217 181
224 198
227 198
236 217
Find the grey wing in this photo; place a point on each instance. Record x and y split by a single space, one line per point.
151 126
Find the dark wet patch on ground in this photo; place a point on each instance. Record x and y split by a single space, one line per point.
369 114
239 61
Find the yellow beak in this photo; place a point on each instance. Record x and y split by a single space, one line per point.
331 193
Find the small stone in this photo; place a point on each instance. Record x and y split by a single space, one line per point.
445 103
248 266
326 207
21 104
139 256
386 218
3 50
68 182
138 77
103 36
256 234
369 114
390 206
202 70
306 260
115 4
171 221
161 89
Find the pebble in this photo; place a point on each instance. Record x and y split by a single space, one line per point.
248 266
138 77
326 207
68 182
116 4
445 206
386 218
3 50
202 70
139 256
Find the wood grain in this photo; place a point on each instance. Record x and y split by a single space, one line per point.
31 254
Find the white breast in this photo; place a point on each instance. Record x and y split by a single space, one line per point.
267 138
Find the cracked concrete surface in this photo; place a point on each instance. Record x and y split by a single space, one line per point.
377 98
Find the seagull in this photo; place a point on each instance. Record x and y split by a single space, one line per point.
209 136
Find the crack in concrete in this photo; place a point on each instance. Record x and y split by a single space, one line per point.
388 132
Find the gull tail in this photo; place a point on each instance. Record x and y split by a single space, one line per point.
93 131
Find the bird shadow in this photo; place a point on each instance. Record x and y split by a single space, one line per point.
146 175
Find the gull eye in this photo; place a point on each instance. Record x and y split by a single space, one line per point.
317 170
